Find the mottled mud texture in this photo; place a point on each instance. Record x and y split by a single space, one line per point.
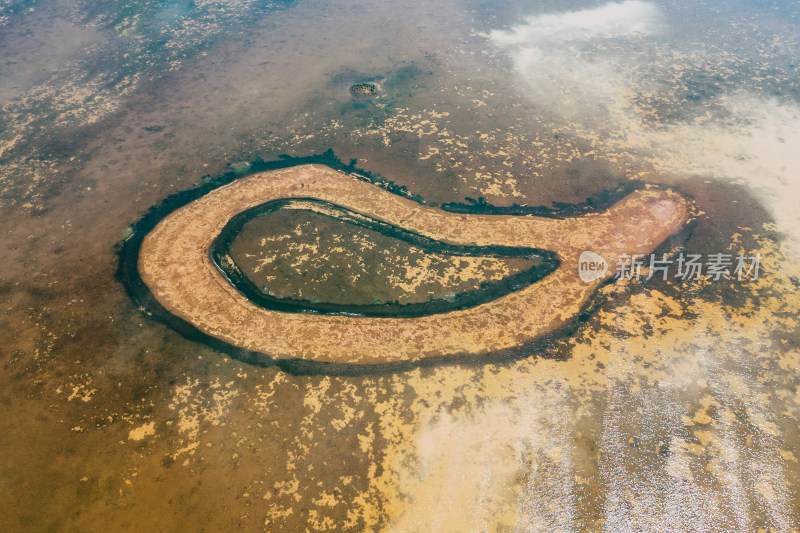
300 254
175 263
673 407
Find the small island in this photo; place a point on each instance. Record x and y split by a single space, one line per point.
363 90
176 264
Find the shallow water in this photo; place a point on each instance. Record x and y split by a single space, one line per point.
299 254
672 407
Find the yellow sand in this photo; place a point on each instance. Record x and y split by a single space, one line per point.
174 262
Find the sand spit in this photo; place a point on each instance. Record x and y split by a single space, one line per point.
174 263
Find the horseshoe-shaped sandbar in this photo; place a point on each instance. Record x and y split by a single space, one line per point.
174 262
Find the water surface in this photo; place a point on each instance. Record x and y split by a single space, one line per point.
673 407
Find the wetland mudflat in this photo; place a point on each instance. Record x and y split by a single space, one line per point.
671 406
176 263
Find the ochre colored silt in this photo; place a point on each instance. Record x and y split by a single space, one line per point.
175 264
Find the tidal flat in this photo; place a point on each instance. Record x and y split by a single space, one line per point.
672 406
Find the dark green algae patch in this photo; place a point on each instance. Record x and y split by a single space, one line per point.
128 273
